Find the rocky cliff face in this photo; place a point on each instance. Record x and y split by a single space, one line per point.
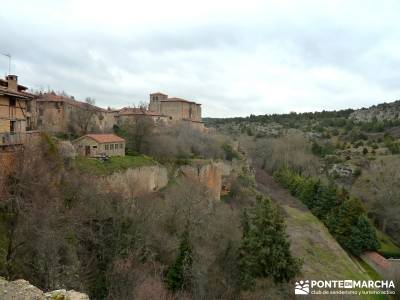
23 290
7 160
216 175
381 112
138 181
207 173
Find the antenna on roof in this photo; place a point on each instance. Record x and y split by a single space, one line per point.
9 62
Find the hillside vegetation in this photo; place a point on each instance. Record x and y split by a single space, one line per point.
175 243
357 150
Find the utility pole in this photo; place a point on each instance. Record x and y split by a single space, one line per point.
9 62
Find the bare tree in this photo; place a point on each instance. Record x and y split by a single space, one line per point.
82 118
380 188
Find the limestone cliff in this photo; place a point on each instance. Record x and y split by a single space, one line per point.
138 181
22 290
381 112
207 173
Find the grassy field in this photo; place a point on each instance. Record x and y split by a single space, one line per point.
388 248
114 164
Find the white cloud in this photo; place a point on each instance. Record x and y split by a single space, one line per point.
235 57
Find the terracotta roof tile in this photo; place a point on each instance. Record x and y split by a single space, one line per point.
103 138
377 259
50 97
6 91
175 99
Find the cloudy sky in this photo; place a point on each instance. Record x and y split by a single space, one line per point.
235 57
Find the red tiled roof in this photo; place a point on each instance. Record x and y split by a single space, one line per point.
175 99
51 97
6 91
158 93
377 259
103 138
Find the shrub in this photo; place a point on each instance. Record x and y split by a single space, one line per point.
230 153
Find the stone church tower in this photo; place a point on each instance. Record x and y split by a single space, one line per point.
155 102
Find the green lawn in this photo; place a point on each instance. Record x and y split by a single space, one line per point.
388 248
114 164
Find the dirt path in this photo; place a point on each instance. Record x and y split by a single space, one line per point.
267 185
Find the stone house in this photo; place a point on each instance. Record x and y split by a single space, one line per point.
15 113
94 145
177 109
134 114
64 114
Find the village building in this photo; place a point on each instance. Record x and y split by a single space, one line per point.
64 114
97 145
132 115
16 118
177 109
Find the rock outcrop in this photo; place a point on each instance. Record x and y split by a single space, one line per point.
138 181
381 112
342 170
22 290
207 173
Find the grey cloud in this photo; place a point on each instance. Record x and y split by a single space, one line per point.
205 61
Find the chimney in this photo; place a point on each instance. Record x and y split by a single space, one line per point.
12 81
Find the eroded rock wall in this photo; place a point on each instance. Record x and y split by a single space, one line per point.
22 290
138 181
207 173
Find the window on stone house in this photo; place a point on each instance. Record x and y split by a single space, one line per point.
121 146
12 126
111 146
116 146
106 147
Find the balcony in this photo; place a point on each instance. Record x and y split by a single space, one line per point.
9 139
17 138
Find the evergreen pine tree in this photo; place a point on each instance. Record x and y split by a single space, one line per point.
363 237
265 249
308 191
325 200
179 274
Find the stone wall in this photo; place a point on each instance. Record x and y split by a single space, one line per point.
59 116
